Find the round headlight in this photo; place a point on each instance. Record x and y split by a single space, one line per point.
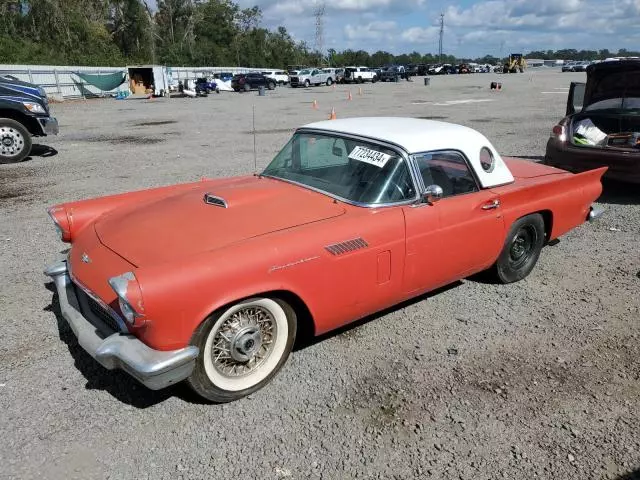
129 297
128 313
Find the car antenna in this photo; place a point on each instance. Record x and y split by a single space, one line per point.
255 154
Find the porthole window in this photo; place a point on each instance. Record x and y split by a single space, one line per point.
487 162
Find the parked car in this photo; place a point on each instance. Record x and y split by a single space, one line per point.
206 85
244 82
24 113
280 76
601 126
412 70
393 73
580 66
211 281
441 69
312 76
359 75
568 66
336 73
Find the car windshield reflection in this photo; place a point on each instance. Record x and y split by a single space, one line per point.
354 170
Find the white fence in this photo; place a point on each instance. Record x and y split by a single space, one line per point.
61 81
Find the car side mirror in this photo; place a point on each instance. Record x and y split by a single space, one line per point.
433 193
337 151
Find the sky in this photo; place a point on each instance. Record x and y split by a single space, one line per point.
473 28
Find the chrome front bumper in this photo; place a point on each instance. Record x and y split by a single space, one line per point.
595 212
155 369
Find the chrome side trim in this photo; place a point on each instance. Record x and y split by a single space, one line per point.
347 246
213 200
595 212
155 369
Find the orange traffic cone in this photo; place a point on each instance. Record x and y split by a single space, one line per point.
333 114
314 105
349 97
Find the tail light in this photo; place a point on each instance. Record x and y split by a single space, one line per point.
559 132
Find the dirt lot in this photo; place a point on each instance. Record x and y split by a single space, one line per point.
538 379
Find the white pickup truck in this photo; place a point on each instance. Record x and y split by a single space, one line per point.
312 76
359 75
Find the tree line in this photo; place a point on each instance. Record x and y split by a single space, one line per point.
181 33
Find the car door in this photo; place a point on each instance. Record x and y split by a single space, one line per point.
576 97
455 236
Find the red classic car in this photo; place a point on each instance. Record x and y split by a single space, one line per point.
209 281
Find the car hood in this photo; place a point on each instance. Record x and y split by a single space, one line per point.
612 79
183 224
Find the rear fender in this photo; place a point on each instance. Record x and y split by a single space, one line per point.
567 196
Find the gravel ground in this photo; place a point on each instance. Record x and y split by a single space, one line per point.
538 379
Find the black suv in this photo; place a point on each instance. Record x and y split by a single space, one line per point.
243 82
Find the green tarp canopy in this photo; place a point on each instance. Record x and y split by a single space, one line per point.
103 81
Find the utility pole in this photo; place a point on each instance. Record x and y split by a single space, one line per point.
441 36
319 40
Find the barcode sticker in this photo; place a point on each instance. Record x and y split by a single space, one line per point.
367 155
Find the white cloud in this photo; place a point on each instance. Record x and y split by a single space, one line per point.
420 35
371 31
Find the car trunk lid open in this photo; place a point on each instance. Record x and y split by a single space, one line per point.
210 217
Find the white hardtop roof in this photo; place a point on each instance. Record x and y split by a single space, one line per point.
417 135
412 134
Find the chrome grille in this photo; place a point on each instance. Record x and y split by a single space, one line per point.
99 311
347 246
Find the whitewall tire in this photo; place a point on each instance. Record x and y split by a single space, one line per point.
242 347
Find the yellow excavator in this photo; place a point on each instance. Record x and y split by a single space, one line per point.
516 63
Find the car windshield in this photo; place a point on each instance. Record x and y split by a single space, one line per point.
304 72
353 170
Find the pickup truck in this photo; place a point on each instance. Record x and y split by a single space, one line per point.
312 76
24 113
359 75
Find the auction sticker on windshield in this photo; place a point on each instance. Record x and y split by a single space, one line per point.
367 155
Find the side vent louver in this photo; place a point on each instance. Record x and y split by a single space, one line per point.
213 200
346 246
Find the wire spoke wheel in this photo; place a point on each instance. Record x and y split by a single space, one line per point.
243 341
242 347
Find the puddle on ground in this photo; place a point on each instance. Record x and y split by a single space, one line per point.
158 122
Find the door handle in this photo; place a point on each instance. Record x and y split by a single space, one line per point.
492 205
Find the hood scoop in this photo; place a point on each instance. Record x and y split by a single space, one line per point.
214 200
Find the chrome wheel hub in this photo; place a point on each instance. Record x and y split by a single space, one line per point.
243 341
245 344
11 142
